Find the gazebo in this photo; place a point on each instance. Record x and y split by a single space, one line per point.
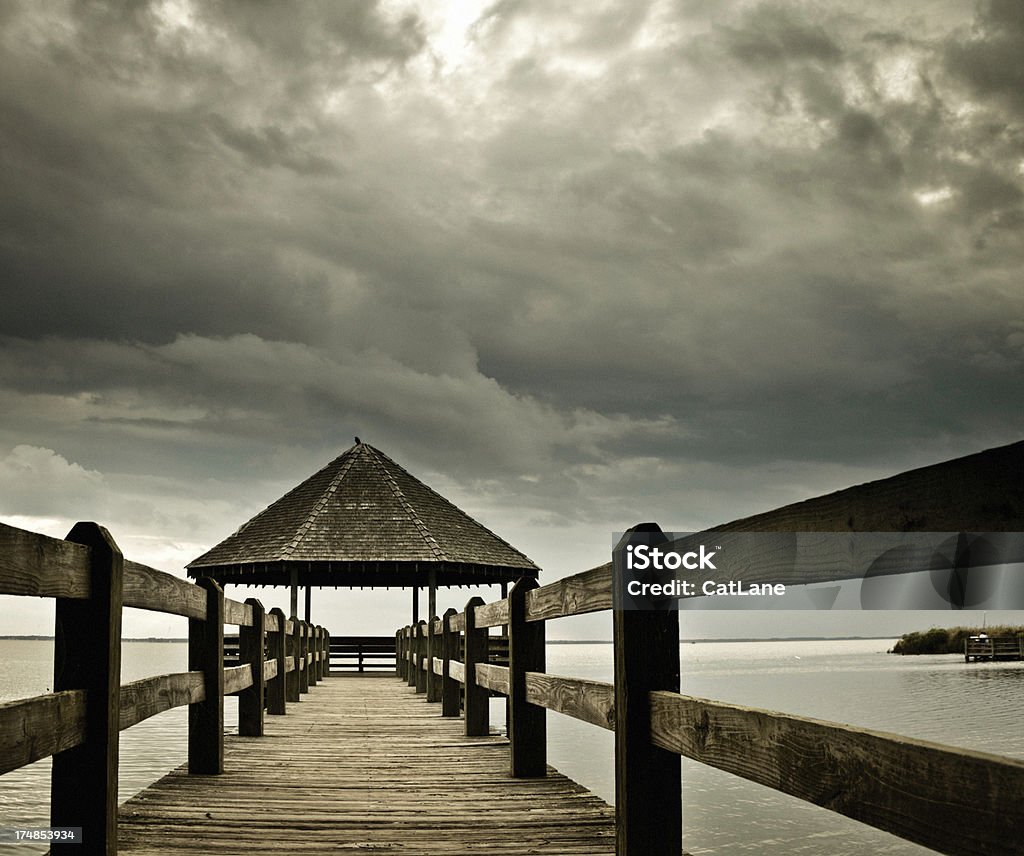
363 521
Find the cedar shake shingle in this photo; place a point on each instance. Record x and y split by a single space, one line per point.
362 520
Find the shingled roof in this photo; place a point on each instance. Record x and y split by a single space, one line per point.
363 521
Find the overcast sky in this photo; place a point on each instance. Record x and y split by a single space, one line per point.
575 265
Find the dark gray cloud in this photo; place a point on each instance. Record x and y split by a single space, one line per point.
580 263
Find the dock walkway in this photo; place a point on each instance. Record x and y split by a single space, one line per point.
365 765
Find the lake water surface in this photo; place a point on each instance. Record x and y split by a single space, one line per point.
936 698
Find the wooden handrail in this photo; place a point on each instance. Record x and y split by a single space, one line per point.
78 723
39 566
142 699
954 800
35 728
148 588
884 780
493 614
589 701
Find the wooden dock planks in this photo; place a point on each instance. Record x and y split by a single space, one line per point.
364 765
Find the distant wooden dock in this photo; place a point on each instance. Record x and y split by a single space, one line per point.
986 648
365 765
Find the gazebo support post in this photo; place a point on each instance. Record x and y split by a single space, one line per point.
432 593
309 602
433 685
415 605
294 611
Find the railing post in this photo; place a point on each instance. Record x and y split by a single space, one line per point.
421 651
398 654
411 654
477 699
276 703
648 788
449 651
251 642
87 655
206 654
303 657
293 681
313 644
433 649
325 641
527 725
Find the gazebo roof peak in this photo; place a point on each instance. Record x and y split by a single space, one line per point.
363 512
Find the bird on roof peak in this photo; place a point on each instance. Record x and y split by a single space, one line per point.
359 442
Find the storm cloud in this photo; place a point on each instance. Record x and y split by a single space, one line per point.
575 264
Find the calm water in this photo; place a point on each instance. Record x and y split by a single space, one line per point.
935 698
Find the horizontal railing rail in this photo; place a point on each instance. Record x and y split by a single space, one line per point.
363 654
78 723
953 800
994 648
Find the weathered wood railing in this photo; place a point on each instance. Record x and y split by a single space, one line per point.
953 800
362 654
78 723
994 648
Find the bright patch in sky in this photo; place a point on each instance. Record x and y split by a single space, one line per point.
450 22
934 197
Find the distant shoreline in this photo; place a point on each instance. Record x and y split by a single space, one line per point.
560 641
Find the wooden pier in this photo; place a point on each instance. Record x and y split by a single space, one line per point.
365 765
987 648
408 764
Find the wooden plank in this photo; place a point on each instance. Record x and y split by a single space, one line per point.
252 641
433 649
459 622
292 680
953 800
145 698
148 588
457 671
269 670
313 652
237 613
477 713
438 666
35 728
647 777
494 614
205 654
237 678
977 493
303 657
276 702
40 566
363 765
419 669
591 701
450 691
492 677
412 646
87 656
590 591
527 723
271 623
